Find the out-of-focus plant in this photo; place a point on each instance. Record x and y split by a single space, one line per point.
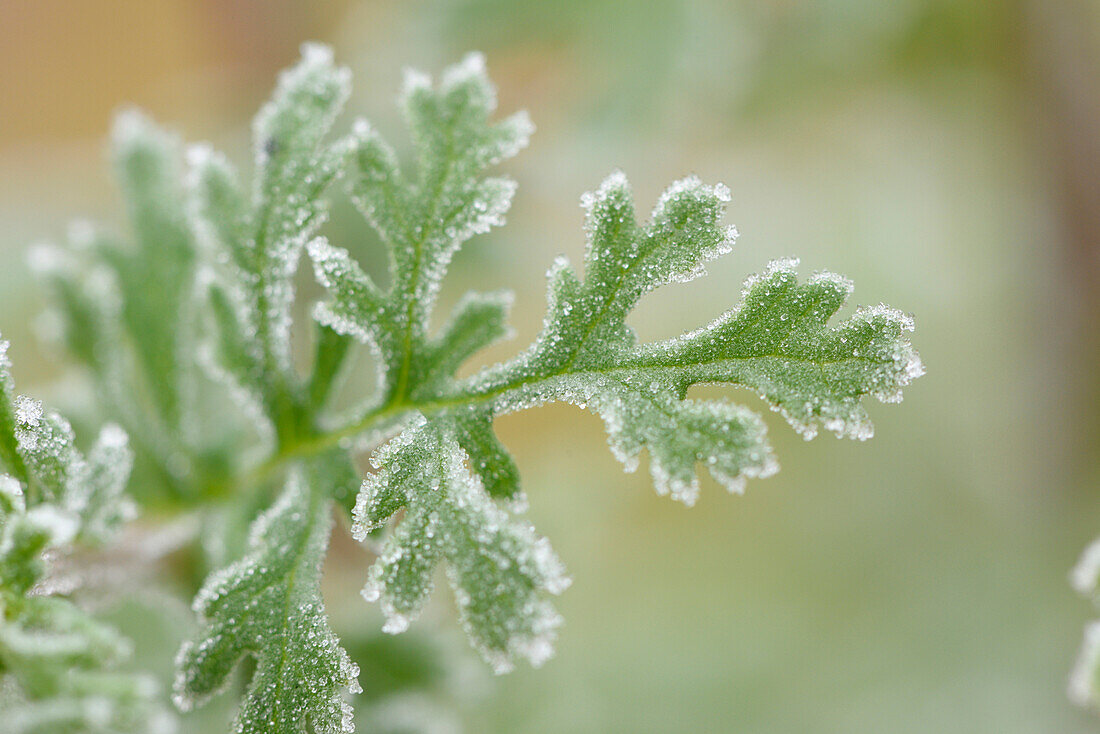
1084 682
206 288
59 659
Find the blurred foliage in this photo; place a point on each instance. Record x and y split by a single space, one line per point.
761 57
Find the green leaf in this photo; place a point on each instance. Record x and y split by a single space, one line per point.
777 343
478 320
329 361
41 454
106 471
86 296
489 459
9 445
262 238
24 538
423 222
268 605
128 307
47 447
502 573
59 656
156 277
51 636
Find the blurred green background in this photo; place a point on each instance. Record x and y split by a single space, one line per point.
945 154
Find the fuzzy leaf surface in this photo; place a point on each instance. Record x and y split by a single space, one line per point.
156 276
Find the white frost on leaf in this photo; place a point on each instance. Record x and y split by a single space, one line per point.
269 605
501 572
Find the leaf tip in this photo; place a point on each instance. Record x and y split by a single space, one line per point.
414 81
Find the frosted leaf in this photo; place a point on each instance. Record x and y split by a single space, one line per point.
87 299
502 573
477 321
729 440
357 307
442 469
268 605
53 493
261 238
46 444
10 456
60 656
489 459
125 306
446 473
424 220
230 357
330 365
777 343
